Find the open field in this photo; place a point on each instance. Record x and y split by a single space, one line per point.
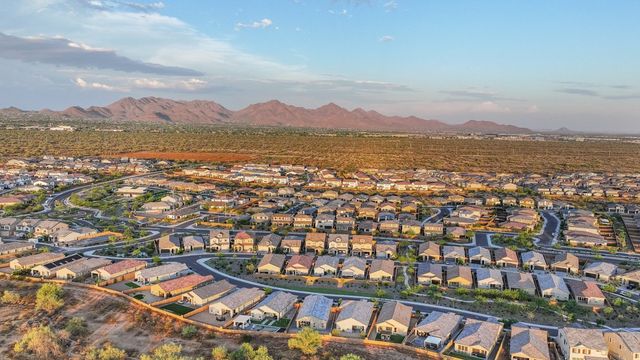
347 151
112 319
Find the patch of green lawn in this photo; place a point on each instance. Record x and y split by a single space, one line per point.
132 285
177 309
139 296
281 323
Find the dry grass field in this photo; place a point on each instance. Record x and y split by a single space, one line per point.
345 151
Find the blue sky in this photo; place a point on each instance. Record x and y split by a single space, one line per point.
540 64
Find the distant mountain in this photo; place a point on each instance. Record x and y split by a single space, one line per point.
271 113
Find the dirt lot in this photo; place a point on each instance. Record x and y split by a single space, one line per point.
192 156
112 319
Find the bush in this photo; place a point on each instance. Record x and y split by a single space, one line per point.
189 331
49 297
168 351
219 353
39 342
10 297
76 326
308 341
107 352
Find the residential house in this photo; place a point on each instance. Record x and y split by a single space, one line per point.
219 240
193 243
489 278
478 338
528 343
459 276
326 265
243 242
282 220
566 262
271 264
338 244
353 267
236 302
586 292
303 221
533 260
381 270
49 269
367 227
345 224
80 268
315 242
453 254
299 265
362 245
437 329
631 279
169 243
430 274
269 243
506 257
161 272
208 293
479 255
27 262
314 312
623 345
433 229
394 319
179 285
275 306
8 226
521 281
26 226
389 226
582 344
119 269
386 249
15 248
354 316
48 227
552 287
600 270
429 251
291 245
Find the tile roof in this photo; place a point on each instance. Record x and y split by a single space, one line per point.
589 338
183 282
163 270
394 310
240 297
439 324
530 342
479 333
218 287
123 265
316 306
278 301
359 311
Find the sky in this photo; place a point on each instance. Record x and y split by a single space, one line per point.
541 64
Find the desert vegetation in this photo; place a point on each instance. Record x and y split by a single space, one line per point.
340 150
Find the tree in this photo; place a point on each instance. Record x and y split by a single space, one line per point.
49 297
350 357
39 342
607 310
10 297
156 260
307 341
219 353
108 352
168 351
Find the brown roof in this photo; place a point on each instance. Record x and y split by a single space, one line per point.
189 281
121 266
304 260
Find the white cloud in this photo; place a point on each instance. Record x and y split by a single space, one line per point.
96 85
390 6
386 38
262 24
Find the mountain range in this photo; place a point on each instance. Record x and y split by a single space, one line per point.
270 113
